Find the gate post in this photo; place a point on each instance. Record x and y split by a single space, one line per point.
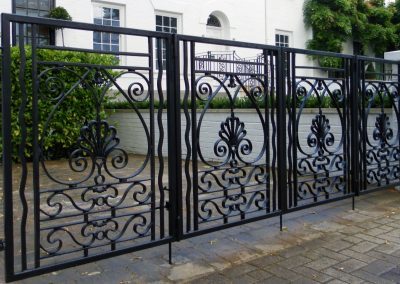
174 138
281 133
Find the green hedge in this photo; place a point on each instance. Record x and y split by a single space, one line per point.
71 114
242 103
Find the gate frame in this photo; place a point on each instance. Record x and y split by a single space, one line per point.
175 207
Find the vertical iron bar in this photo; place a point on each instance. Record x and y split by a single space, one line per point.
24 169
267 105
187 139
272 67
161 138
194 138
152 141
282 183
354 155
177 90
363 134
7 150
35 131
174 143
294 130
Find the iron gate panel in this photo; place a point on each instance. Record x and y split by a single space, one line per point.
379 106
230 164
241 166
319 142
99 200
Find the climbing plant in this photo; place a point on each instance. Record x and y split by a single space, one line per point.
370 24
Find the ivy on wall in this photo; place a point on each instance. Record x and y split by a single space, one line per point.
369 24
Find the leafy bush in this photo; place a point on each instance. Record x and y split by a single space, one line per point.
73 110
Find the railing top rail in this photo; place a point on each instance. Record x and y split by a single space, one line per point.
377 59
234 43
317 52
12 18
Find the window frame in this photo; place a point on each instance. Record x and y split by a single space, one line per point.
163 14
121 37
14 7
287 34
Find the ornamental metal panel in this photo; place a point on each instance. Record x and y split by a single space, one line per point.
73 191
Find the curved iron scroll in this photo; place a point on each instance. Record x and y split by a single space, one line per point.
115 196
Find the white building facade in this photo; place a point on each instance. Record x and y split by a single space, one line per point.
268 22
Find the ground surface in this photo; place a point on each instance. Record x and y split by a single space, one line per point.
326 244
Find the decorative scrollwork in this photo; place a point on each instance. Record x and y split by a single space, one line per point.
232 143
382 132
320 136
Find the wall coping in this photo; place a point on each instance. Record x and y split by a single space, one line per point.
245 110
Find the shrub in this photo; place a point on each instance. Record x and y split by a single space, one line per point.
73 110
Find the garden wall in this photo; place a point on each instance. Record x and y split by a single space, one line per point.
133 138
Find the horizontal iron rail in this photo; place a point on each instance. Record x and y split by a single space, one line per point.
122 53
82 26
69 264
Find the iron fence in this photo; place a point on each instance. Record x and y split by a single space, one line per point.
100 200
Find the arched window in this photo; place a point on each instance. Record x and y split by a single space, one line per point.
213 21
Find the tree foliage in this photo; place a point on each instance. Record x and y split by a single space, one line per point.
60 13
368 23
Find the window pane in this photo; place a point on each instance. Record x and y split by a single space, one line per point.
106 47
97 46
115 23
21 3
105 37
114 38
115 48
96 36
21 12
106 22
33 13
166 29
174 31
115 14
166 21
158 20
159 29
43 13
106 13
44 5
98 21
33 4
173 22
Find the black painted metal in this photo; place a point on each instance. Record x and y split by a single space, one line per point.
107 206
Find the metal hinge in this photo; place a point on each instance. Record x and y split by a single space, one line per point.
167 205
2 245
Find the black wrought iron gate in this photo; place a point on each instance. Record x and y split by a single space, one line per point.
217 142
